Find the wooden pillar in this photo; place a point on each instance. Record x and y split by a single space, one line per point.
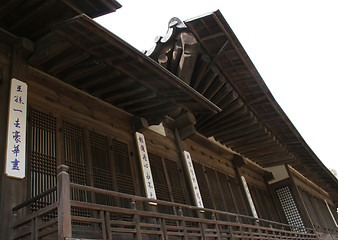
13 191
64 214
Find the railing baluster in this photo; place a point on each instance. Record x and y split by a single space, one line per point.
202 227
136 220
64 214
184 226
164 229
34 229
103 225
213 216
108 226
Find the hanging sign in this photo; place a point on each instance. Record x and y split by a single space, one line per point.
16 134
193 179
248 195
145 167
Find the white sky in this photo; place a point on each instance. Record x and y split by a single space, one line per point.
292 43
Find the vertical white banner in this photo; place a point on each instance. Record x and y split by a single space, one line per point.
248 195
145 166
193 179
16 130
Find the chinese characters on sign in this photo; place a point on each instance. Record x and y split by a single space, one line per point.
248 195
193 179
16 135
145 166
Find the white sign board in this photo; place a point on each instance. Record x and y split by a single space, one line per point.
248 195
193 179
145 166
16 134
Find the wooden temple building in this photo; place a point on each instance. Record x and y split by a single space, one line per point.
185 141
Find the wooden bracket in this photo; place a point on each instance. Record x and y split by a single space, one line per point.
139 124
239 161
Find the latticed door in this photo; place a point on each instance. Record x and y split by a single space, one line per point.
160 182
74 158
43 158
102 171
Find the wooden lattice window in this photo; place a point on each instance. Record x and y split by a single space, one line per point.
43 157
318 211
102 173
224 185
290 209
241 202
260 206
160 183
176 184
203 185
124 175
215 189
161 186
74 157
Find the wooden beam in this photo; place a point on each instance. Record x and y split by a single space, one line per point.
208 79
236 127
67 61
48 47
200 69
94 80
118 95
175 58
187 131
31 14
242 136
81 70
139 124
185 119
113 85
141 97
239 161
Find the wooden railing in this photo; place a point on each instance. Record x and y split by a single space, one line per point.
91 220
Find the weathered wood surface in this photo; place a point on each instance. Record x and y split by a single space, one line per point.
223 73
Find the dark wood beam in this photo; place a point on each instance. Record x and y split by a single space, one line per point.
47 48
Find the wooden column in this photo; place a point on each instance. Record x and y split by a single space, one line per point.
64 214
239 161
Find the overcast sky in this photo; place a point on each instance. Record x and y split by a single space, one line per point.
292 43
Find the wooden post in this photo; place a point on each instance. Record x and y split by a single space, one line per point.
184 226
34 229
164 229
108 226
136 218
103 225
64 214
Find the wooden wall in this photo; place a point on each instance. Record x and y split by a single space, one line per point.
5 63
